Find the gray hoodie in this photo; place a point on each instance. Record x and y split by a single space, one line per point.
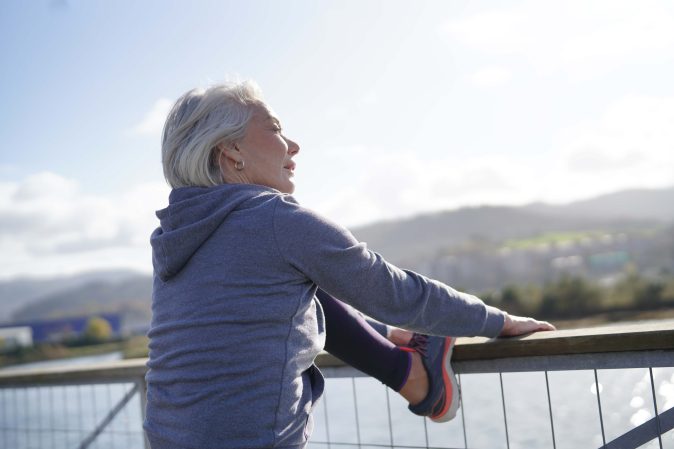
236 326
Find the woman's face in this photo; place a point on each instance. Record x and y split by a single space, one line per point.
267 153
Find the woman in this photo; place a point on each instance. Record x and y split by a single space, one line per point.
237 315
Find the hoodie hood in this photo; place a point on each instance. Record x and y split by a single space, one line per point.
192 216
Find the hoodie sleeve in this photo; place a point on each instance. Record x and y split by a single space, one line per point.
331 257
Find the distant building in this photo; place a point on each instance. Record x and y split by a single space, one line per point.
15 337
609 261
57 330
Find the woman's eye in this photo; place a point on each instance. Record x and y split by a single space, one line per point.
278 129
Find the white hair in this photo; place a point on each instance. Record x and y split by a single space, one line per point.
199 121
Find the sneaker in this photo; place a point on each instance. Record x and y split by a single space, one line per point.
443 398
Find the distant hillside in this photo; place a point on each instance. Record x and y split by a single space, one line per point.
131 295
643 204
20 292
417 238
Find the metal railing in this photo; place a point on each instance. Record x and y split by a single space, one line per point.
607 387
73 406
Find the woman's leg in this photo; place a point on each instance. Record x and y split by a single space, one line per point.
352 339
421 373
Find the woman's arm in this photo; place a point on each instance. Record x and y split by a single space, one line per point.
514 325
331 257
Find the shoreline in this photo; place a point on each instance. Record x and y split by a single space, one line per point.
132 347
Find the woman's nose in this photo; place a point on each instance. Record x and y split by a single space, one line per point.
293 147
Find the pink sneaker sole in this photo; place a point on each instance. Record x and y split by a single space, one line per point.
452 393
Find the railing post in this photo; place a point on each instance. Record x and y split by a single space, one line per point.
142 392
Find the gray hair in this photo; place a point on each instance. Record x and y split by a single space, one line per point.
199 121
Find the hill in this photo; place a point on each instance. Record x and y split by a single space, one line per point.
20 292
130 297
644 204
408 240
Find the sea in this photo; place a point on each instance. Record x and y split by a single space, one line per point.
507 411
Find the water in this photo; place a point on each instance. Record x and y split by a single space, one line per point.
626 396
62 417
66 362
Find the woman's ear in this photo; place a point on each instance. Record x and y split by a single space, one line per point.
228 152
229 158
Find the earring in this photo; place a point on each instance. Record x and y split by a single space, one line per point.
239 165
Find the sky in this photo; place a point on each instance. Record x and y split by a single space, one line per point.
399 108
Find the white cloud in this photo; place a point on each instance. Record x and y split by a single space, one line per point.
583 39
386 184
370 98
631 144
48 225
496 31
491 77
633 141
43 186
153 122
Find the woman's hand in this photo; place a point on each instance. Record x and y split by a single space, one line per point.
518 325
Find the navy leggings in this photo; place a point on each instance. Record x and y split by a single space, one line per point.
350 338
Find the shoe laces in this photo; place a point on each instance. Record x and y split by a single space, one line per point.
419 343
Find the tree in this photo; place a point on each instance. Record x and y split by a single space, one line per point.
511 299
649 296
97 330
570 297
